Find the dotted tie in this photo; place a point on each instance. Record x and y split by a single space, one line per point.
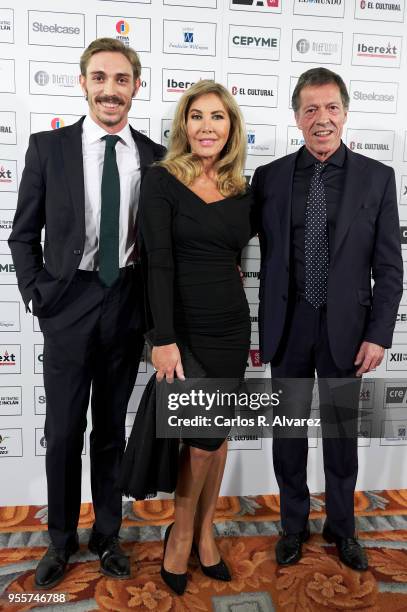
316 241
109 215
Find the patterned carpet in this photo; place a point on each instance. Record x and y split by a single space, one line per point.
248 529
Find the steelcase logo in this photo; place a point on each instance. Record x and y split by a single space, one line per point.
56 29
373 97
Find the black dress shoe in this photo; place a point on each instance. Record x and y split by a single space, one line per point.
52 567
219 571
113 561
176 582
350 551
289 547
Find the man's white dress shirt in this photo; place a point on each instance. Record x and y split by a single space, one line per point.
128 163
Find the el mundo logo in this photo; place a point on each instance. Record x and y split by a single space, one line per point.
57 122
251 139
122 27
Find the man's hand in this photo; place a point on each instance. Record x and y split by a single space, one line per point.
167 359
370 355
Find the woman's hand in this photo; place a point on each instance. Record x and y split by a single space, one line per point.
167 359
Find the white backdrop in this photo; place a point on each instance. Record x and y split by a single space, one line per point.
257 48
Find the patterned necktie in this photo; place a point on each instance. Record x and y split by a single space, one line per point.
109 215
316 241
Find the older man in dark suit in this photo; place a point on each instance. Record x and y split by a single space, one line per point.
329 222
82 183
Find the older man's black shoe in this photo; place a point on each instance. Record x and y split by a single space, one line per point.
289 547
52 567
350 551
113 561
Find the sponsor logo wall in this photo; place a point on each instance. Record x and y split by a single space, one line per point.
257 49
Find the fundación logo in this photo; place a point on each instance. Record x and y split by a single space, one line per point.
54 78
316 46
41 78
190 38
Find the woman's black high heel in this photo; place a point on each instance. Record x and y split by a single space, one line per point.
176 582
219 571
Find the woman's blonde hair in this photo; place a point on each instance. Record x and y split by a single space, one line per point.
187 166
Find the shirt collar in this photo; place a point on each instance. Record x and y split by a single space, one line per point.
306 159
94 132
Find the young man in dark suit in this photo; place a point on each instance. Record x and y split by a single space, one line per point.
329 221
82 183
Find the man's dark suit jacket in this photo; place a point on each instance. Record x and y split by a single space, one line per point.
367 243
52 194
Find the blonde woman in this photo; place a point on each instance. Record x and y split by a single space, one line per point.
195 219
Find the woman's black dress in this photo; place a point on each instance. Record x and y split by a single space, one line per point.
195 292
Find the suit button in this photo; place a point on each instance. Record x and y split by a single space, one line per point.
76 252
284 298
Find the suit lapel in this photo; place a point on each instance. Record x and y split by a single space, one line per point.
284 189
71 140
354 193
145 152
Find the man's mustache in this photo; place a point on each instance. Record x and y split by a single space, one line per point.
109 100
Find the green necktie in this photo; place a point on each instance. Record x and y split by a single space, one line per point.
109 215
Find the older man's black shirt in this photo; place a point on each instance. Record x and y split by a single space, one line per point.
333 177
